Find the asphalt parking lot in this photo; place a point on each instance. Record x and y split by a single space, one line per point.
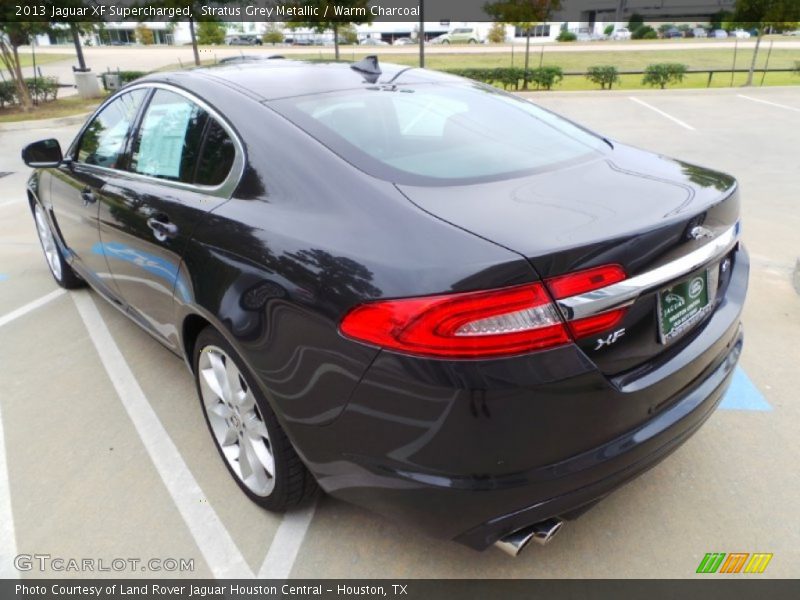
104 453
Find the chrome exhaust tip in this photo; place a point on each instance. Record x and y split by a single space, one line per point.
541 533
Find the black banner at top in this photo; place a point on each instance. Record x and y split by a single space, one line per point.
444 11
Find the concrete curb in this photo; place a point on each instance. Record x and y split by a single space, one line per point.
45 123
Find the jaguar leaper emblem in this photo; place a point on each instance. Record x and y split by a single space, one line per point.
698 232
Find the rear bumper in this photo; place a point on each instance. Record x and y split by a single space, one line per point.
596 473
473 451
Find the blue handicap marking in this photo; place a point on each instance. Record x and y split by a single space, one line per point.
743 394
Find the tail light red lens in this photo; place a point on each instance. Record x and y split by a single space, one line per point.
482 324
469 325
588 280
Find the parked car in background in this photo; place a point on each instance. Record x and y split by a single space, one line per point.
718 34
621 34
244 40
795 33
740 34
697 32
445 303
372 41
461 35
403 41
672 32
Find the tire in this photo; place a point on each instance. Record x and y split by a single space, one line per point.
247 425
59 269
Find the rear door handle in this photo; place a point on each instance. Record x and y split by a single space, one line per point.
162 228
88 196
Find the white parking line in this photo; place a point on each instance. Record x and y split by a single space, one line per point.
286 544
8 545
24 310
768 102
663 114
213 540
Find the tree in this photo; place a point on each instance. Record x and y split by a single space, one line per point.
273 35
195 7
12 36
608 30
144 35
662 74
77 28
210 32
348 34
635 22
339 13
497 34
762 14
525 14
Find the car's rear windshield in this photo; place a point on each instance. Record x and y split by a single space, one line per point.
440 134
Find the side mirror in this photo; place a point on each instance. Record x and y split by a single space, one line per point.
44 153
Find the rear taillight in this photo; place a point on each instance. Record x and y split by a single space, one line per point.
489 323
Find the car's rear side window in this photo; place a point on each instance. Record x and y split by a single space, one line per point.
439 133
217 156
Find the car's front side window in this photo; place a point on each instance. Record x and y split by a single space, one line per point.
103 141
169 140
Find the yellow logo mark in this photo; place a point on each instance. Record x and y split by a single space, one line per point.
758 562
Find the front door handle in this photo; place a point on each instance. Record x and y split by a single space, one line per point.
162 228
88 196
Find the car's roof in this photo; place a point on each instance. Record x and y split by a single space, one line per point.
270 79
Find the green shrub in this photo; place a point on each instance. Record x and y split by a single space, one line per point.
510 77
8 93
662 74
645 32
604 75
566 36
546 77
42 89
609 29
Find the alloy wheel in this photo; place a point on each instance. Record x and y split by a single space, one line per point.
48 242
236 421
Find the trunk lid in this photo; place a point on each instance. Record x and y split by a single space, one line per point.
628 207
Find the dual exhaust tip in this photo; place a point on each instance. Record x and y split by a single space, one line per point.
541 533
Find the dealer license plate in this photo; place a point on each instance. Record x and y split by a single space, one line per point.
682 305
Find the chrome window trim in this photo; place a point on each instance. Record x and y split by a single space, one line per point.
625 292
222 190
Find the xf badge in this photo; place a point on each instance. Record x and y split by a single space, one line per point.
609 339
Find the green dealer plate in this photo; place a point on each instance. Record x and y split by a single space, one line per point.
682 305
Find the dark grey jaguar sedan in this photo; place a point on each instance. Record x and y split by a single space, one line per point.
424 295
